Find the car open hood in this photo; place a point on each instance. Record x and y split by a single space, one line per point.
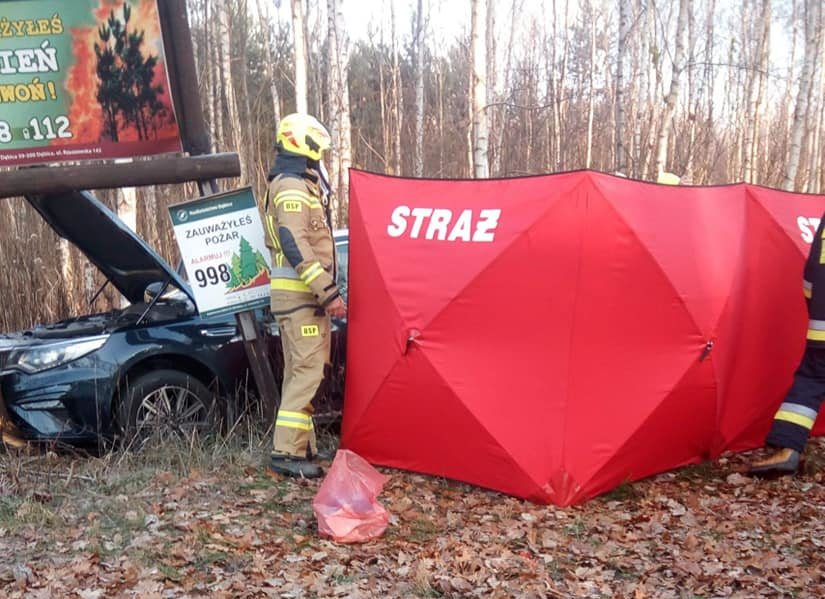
126 260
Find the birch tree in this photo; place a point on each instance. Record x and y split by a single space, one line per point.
642 105
591 84
127 212
677 66
339 113
757 92
397 95
481 168
300 49
813 31
418 45
621 50
264 24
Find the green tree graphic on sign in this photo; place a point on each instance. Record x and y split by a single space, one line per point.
246 266
249 266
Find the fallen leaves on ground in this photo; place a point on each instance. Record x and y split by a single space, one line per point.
236 531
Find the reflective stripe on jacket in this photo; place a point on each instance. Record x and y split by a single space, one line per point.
299 237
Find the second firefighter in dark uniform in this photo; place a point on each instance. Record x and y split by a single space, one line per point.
795 418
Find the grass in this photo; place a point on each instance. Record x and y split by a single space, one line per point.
577 528
704 471
625 491
111 491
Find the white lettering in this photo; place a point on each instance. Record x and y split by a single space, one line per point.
46 58
461 229
6 68
438 223
29 60
485 227
25 61
808 227
399 221
420 214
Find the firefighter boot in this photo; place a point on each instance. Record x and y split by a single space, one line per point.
294 466
782 462
323 455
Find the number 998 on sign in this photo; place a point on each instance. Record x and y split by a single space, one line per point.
212 276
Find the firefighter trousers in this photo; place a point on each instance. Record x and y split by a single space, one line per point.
305 338
795 418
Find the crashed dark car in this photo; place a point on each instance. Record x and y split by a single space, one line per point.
155 364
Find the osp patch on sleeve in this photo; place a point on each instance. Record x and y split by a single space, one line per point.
292 206
310 330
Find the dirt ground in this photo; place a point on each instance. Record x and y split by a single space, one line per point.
210 521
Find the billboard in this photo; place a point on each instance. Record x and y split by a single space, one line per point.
83 80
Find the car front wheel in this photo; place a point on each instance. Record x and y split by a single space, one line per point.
166 403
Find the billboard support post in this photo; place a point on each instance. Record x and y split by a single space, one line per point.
195 137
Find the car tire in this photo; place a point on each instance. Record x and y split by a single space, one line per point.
164 404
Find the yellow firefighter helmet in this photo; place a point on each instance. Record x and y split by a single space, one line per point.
302 134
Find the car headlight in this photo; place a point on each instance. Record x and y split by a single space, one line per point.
43 357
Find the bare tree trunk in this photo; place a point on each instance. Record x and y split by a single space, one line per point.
813 31
675 82
397 96
316 73
149 206
299 43
592 92
269 58
816 155
558 87
382 95
215 62
439 98
127 212
759 32
691 100
242 105
480 126
761 81
339 113
491 82
652 77
469 136
709 114
624 16
562 103
418 169
235 137
64 250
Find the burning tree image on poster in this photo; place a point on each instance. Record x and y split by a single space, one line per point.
128 95
83 80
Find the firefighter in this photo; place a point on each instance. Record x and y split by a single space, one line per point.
303 291
796 416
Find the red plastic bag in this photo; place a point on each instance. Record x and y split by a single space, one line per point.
345 506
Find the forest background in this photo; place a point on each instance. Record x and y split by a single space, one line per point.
713 91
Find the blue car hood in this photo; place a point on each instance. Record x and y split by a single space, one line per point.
126 260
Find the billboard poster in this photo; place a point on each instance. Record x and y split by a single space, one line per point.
221 241
83 80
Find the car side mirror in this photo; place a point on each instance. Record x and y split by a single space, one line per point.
152 290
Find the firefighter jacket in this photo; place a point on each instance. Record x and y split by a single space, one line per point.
300 239
814 289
